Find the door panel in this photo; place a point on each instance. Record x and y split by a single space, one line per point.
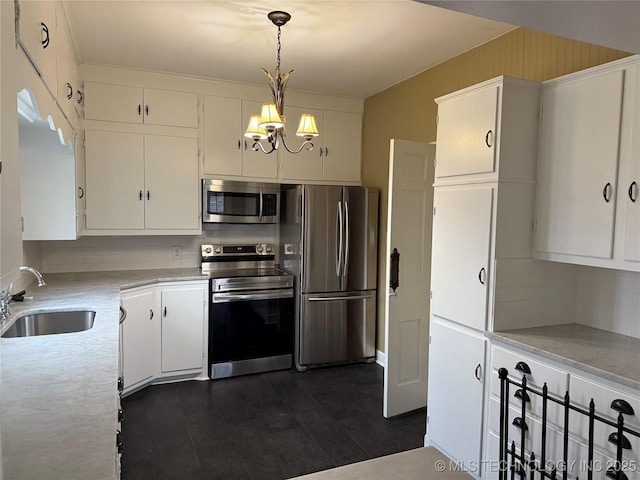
407 320
467 134
361 221
138 337
460 254
320 259
337 328
455 406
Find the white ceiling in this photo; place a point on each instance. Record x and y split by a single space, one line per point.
352 48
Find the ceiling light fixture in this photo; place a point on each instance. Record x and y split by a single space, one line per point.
270 124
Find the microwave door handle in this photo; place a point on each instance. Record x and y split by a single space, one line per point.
338 238
261 204
347 228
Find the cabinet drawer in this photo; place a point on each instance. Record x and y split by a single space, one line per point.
557 382
582 391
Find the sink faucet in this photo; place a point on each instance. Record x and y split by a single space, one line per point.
36 274
5 298
6 294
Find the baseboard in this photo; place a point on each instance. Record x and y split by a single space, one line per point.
381 358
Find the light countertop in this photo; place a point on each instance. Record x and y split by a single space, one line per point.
608 355
59 396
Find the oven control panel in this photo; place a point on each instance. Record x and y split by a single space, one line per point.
236 251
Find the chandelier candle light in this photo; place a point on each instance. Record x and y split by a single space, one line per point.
270 124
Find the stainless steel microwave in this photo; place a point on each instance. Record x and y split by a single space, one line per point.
240 202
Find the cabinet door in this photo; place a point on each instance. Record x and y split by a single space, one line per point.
577 166
171 108
255 164
222 140
460 254
172 193
37 33
455 398
306 165
113 103
467 134
115 180
342 144
138 337
182 328
632 186
66 79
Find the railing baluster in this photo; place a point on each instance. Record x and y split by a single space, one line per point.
592 412
504 421
543 447
565 440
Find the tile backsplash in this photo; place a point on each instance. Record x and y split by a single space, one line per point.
131 253
609 299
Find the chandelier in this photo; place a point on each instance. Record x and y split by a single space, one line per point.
270 124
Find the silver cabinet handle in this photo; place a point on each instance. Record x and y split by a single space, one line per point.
339 238
337 298
347 227
261 205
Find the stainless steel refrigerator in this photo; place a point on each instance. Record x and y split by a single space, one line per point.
329 239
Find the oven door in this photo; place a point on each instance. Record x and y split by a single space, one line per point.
237 202
250 324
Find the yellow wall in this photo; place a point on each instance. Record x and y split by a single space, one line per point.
407 110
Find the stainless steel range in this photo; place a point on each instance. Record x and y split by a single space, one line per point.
251 310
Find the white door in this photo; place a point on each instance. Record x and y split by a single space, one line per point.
306 165
172 194
167 107
460 256
632 187
222 142
113 103
115 180
467 134
138 337
454 410
255 163
578 166
407 317
182 328
342 130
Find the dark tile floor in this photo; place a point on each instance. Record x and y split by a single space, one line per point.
262 427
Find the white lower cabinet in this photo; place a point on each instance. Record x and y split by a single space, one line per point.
581 390
456 391
182 328
163 333
138 337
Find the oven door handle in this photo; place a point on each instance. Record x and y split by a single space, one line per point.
247 297
340 297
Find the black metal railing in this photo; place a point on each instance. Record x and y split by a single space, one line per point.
526 463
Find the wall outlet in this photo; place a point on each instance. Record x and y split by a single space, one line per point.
176 252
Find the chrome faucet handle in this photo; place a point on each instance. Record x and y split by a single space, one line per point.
5 298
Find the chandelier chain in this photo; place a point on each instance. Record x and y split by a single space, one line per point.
278 48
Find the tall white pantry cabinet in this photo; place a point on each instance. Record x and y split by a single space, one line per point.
483 211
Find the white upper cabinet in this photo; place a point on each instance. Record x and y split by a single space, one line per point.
467 134
578 165
488 132
226 150
306 165
461 253
586 201
336 155
141 184
38 37
630 184
123 103
67 84
342 141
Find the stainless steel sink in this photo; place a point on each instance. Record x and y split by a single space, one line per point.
50 323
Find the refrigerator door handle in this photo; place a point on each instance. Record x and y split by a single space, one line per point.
339 251
347 227
336 298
